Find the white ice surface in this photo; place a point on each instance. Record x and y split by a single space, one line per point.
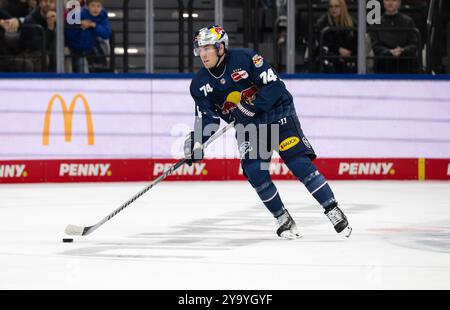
217 235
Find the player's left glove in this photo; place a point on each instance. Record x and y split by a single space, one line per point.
244 112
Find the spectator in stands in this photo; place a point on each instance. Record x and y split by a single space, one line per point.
281 18
393 43
342 42
86 41
9 45
281 21
32 4
5 26
8 23
44 15
17 8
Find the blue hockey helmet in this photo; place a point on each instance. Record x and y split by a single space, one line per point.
211 35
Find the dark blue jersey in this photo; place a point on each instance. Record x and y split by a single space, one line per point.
247 76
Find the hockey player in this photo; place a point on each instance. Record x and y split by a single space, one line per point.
239 85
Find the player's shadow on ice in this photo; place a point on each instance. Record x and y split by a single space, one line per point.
204 237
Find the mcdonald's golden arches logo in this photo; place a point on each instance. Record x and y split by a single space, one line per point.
68 117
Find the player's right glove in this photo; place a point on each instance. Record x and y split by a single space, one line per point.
193 151
244 112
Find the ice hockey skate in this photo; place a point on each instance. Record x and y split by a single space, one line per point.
287 228
339 220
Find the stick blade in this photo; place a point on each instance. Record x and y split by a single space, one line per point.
74 230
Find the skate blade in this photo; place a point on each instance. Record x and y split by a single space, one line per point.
347 231
290 235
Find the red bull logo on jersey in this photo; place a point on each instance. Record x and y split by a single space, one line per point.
84 170
13 171
231 102
197 169
235 97
383 168
249 94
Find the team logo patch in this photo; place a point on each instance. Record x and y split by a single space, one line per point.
231 102
249 95
288 143
235 97
306 142
237 76
258 61
222 81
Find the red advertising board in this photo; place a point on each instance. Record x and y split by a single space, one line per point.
22 171
122 170
368 168
437 169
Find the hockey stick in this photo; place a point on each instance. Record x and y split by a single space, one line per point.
82 231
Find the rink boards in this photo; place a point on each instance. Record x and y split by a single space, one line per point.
120 170
87 130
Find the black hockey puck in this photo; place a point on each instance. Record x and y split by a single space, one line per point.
67 240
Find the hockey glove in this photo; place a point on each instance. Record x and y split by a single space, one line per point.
244 112
193 151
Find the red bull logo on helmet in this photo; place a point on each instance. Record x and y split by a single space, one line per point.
217 31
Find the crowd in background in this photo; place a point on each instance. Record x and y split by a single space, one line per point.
28 36
27 29
395 50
